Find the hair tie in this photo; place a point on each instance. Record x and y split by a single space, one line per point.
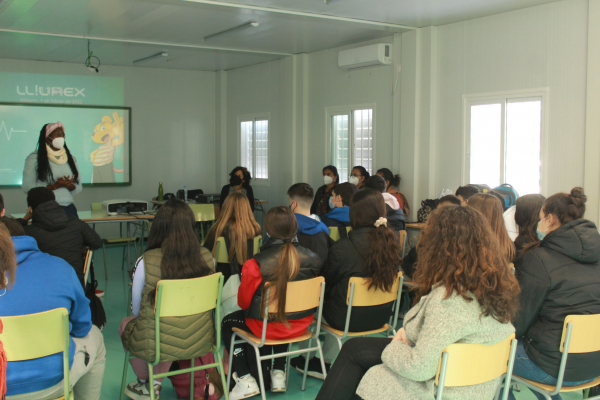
51 127
381 221
288 240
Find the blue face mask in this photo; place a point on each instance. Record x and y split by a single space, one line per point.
541 234
331 205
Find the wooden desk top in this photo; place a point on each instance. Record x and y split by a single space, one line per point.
102 216
160 203
415 225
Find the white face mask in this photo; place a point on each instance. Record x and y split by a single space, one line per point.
58 143
353 180
327 179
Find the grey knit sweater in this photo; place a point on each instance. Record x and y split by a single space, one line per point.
408 372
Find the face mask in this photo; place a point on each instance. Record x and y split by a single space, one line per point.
353 180
235 180
58 143
327 179
331 205
541 234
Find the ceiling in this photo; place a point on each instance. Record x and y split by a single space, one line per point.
122 31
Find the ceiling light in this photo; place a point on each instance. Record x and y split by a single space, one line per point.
161 54
243 26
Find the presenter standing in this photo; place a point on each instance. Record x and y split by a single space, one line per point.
239 182
53 167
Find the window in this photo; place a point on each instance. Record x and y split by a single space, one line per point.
504 142
255 146
351 140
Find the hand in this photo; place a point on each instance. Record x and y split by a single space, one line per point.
29 215
401 336
61 182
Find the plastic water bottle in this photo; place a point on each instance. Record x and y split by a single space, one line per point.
185 193
160 192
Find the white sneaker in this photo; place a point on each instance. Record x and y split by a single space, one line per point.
244 387
278 381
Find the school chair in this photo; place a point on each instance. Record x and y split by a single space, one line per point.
179 298
86 267
467 364
334 232
359 295
403 244
580 335
222 254
511 268
301 296
114 242
203 213
26 337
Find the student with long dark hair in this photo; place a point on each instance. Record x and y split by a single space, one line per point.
280 261
239 181
492 209
331 178
237 226
52 166
370 251
392 182
358 176
559 276
395 215
465 294
173 252
527 216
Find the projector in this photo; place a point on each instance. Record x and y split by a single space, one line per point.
116 207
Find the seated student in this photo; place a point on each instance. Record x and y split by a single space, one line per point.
392 183
559 277
58 233
358 176
173 252
464 193
340 212
492 210
43 282
280 261
527 216
395 215
465 294
239 181
237 225
320 205
371 251
410 260
312 233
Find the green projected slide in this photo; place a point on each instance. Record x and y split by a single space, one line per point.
96 136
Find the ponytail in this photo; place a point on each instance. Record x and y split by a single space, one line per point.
287 269
384 259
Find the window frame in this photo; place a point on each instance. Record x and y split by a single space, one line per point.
330 112
254 118
503 98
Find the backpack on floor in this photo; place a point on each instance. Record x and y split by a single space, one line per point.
96 307
509 193
207 383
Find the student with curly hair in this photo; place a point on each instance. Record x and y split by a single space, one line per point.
466 294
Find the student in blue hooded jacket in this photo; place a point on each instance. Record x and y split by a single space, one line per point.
312 233
340 212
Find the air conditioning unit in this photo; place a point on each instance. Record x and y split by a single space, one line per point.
364 57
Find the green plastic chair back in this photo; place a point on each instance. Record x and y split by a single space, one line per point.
222 254
27 337
258 242
334 232
203 212
183 297
96 206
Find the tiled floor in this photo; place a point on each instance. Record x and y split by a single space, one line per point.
115 300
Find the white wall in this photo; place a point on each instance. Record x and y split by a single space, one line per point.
173 130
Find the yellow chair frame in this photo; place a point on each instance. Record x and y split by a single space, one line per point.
86 267
180 298
301 296
24 340
203 213
580 335
359 295
467 364
222 254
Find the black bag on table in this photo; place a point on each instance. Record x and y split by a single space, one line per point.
96 307
427 206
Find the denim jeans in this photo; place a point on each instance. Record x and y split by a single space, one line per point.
70 209
527 369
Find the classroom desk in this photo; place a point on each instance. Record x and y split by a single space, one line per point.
415 225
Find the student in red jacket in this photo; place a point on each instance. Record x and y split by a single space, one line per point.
280 261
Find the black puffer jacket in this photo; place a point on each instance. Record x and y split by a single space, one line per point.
62 235
346 259
268 259
560 278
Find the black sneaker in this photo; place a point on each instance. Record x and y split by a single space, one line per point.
314 366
